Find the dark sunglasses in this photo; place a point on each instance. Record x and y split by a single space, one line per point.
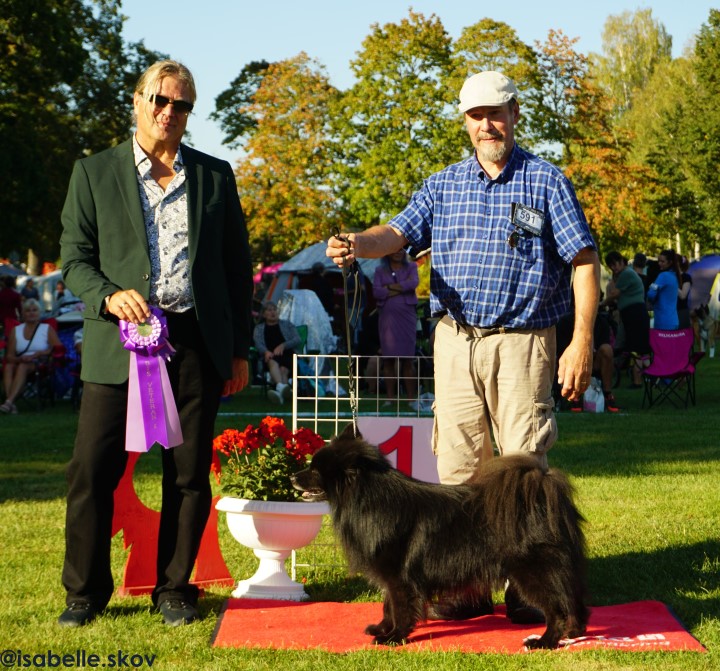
515 238
180 106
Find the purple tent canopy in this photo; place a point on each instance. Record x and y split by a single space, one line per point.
703 272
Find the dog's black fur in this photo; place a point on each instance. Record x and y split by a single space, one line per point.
416 540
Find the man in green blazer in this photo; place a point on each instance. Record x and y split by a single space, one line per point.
152 222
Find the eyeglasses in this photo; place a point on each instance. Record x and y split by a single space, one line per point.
180 106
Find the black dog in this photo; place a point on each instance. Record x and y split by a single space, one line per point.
416 540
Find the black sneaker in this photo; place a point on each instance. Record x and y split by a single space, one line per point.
177 612
519 612
77 614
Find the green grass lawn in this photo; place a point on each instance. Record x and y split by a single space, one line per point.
648 482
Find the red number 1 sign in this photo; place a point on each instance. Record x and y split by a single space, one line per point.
405 441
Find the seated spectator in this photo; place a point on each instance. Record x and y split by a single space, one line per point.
63 298
275 340
29 344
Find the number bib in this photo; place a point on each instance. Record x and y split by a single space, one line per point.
527 218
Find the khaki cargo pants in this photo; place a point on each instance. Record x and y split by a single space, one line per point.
502 382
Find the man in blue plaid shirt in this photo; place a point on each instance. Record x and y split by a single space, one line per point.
505 231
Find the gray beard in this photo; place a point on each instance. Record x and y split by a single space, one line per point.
493 154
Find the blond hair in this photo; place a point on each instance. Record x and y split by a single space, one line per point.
148 83
31 303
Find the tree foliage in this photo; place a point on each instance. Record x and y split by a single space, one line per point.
704 123
660 123
561 92
66 80
282 180
637 131
394 126
610 186
238 125
493 45
634 44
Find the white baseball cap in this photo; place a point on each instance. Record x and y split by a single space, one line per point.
486 89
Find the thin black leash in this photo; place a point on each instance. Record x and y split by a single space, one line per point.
352 314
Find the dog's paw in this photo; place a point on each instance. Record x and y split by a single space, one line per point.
535 642
376 629
390 639
384 633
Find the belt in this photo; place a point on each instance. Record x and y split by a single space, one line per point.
479 331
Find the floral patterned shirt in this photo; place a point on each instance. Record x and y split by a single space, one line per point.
166 223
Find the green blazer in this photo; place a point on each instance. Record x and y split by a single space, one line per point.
104 249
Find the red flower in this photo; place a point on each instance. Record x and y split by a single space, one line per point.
274 428
305 443
260 460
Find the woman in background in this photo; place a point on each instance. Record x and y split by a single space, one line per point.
663 292
394 285
29 344
683 294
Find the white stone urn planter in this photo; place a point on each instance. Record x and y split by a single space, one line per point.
272 529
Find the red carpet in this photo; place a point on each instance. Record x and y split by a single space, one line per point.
338 627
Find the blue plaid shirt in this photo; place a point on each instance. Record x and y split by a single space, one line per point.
464 218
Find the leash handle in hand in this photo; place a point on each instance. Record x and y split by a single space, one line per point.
351 314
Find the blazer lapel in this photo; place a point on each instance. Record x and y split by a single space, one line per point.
194 190
126 175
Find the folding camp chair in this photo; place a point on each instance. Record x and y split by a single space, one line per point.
671 375
40 385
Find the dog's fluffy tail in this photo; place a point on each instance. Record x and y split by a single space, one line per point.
525 500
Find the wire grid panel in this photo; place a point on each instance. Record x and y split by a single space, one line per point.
322 387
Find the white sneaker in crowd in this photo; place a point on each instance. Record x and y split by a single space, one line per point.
275 396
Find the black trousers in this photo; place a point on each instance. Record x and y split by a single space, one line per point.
99 461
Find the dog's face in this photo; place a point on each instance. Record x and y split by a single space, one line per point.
337 466
701 312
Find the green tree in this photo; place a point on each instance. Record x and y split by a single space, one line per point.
493 45
41 51
661 122
283 176
577 114
65 83
235 124
634 44
703 126
395 125
561 94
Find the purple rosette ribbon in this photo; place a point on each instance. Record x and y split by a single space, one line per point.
152 415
